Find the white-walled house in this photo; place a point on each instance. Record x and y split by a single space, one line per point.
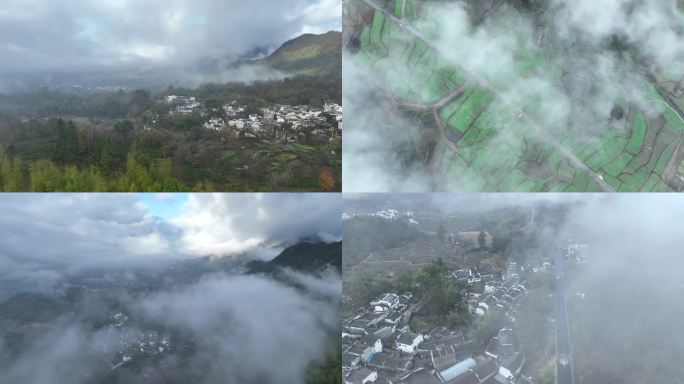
408 342
386 303
215 123
365 349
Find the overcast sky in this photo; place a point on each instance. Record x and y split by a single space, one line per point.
47 232
81 35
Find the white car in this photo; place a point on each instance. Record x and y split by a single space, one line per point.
564 359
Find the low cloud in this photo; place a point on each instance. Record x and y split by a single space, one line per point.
46 235
119 36
243 73
239 327
387 150
94 289
79 230
377 144
246 323
628 325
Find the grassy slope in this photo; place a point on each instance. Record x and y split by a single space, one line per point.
308 55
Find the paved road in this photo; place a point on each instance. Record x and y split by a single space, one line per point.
564 360
537 128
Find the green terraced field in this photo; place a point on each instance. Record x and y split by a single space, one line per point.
485 145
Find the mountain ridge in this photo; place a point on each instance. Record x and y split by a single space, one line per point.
302 257
308 54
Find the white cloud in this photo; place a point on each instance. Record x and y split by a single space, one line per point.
231 223
79 34
72 232
174 18
323 11
265 319
151 244
143 50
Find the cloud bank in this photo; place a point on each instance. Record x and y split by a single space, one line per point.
83 35
94 288
221 329
220 224
378 147
245 324
49 233
627 328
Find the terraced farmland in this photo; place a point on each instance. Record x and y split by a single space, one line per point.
487 142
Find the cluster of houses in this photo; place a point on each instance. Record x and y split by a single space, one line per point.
501 293
379 346
281 122
377 343
150 345
393 214
183 104
389 214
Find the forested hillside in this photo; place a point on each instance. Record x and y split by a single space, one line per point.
128 141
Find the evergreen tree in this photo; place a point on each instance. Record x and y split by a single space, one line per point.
66 144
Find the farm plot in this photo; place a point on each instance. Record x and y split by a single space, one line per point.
484 145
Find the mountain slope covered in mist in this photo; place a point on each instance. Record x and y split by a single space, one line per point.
305 55
308 54
178 324
303 257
